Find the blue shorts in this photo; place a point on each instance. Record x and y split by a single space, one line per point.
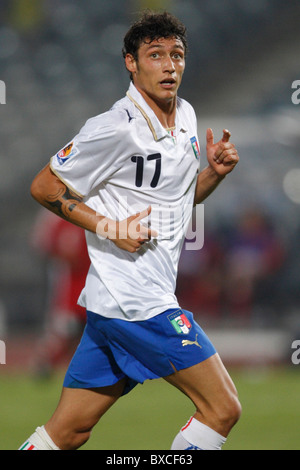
113 349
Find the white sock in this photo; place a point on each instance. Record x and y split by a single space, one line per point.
40 440
197 436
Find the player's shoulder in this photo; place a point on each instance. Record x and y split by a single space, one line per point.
125 110
111 122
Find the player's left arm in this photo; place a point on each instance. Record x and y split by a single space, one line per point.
222 158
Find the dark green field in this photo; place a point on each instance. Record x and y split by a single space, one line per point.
152 414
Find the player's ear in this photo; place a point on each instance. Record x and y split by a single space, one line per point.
130 63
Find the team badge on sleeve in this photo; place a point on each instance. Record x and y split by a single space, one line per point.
180 322
66 153
196 148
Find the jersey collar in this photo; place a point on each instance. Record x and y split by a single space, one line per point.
158 131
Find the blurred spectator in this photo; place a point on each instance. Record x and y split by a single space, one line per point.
63 245
290 283
254 256
236 274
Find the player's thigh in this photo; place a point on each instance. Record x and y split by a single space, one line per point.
207 384
80 409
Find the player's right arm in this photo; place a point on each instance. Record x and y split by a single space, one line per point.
49 191
222 158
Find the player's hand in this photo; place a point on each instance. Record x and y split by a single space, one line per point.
222 156
128 234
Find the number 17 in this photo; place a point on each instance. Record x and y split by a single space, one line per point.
140 163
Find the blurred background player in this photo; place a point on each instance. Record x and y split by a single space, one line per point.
63 246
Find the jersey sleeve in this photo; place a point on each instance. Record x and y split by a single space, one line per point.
92 156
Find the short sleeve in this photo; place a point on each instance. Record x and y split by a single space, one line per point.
92 156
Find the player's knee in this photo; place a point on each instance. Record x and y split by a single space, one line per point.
73 440
229 413
224 414
71 437
79 439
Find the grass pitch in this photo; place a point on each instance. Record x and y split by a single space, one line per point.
151 415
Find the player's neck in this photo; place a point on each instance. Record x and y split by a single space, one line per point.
165 110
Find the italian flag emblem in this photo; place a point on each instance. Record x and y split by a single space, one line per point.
180 322
195 146
27 446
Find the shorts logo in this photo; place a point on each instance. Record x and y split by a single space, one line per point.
186 342
196 148
180 322
65 154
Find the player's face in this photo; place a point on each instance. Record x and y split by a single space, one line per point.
159 69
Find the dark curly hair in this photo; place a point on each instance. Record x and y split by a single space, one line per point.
151 26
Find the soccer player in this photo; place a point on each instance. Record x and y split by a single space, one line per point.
130 178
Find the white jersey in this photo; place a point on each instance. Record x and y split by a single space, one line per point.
122 162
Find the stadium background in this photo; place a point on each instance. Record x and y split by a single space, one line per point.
61 63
